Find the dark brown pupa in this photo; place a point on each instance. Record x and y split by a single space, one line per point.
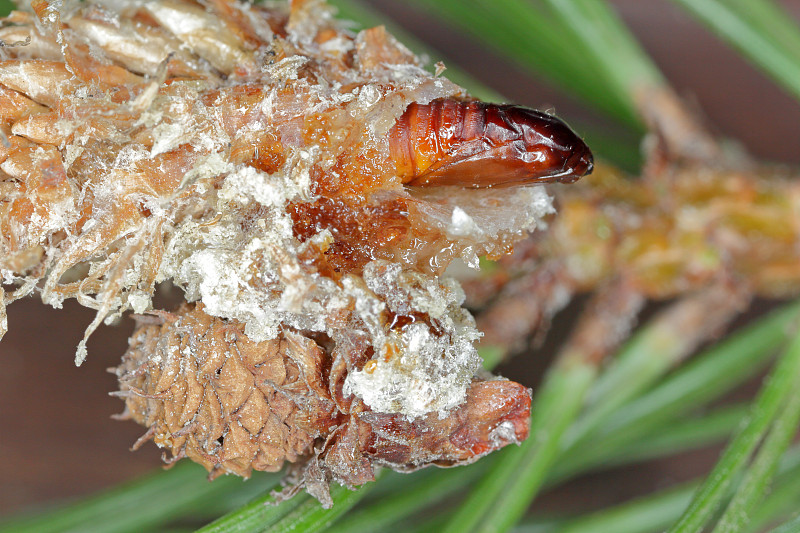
477 144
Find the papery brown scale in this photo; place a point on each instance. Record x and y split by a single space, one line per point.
238 23
88 69
242 416
43 81
376 48
14 106
40 128
16 145
262 151
462 437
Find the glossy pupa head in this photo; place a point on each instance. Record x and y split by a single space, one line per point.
552 151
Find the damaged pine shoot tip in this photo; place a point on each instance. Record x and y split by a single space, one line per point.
306 189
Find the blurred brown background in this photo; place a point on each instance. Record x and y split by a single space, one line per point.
56 438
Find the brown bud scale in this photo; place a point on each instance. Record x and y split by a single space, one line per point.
207 392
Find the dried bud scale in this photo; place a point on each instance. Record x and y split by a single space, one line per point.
208 392
251 156
205 392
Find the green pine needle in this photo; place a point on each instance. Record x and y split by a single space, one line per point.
757 480
791 526
779 387
144 504
761 30
707 377
579 44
